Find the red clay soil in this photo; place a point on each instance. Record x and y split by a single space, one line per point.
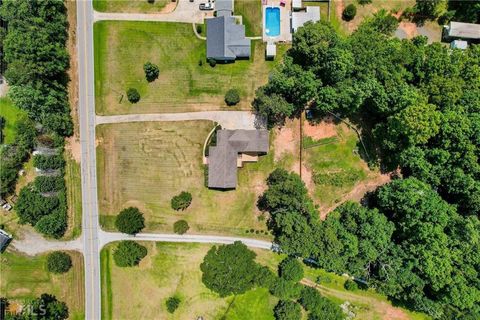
324 129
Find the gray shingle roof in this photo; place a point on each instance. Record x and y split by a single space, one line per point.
4 240
222 158
224 7
226 40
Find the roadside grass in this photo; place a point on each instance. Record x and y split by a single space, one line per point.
24 277
130 6
146 164
174 269
336 166
251 12
10 113
74 198
122 47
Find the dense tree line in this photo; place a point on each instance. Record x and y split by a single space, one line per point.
409 242
37 59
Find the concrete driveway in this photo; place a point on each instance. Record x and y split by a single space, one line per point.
185 11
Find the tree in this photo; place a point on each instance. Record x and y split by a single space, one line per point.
48 162
427 8
129 253
291 269
151 72
382 21
32 206
58 262
350 285
45 184
180 227
318 306
232 97
48 307
349 12
273 107
229 269
130 220
181 201
133 95
285 289
172 304
287 310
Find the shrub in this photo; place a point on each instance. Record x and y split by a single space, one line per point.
284 289
172 304
199 28
151 72
291 269
232 97
181 201
44 162
350 285
59 262
46 184
200 62
129 253
287 310
130 221
212 62
364 2
349 12
180 227
133 95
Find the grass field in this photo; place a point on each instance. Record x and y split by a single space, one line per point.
174 269
130 6
121 49
24 277
74 198
251 12
146 164
10 113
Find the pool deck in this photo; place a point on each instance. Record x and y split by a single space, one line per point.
285 27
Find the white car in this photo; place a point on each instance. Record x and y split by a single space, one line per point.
206 6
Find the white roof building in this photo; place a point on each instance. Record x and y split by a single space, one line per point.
461 30
302 17
459 44
296 4
271 51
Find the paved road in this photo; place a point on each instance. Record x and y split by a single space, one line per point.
227 119
86 109
185 11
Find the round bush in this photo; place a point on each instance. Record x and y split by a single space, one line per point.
287 310
180 227
172 304
129 253
59 262
212 62
133 95
350 285
349 12
232 97
181 201
130 221
291 269
284 289
199 28
151 71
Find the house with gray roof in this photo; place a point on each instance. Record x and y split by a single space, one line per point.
233 148
226 39
224 7
5 239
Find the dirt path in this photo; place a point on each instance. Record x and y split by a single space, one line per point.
382 308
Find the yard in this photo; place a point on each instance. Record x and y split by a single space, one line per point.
251 12
146 164
121 49
24 277
131 6
10 113
174 269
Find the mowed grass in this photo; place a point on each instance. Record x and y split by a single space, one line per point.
122 48
10 113
130 6
74 198
146 164
24 277
251 12
173 269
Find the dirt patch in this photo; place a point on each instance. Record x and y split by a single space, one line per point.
169 7
74 148
409 28
324 129
285 140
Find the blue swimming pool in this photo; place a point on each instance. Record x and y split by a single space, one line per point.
272 21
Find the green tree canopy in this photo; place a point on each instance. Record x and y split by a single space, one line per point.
287 310
130 220
59 262
129 253
291 269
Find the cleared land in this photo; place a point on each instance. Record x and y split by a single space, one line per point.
24 277
251 12
174 269
10 113
146 164
130 6
74 198
122 47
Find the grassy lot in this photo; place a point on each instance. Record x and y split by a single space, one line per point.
130 6
121 49
146 164
336 163
24 277
174 269
251 12
10 113
74 198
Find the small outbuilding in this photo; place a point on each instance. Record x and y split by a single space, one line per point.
296 4
459 44
462 31
271 51
5 239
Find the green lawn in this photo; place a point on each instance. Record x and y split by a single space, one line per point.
10 113
24 277
251 12
130 6
122 47
74 198
146 164
174 269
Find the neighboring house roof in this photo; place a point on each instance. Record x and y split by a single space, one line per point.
224 7
464 30
459 44
296 4
5 239
301 17
226 40
222 158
